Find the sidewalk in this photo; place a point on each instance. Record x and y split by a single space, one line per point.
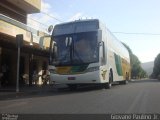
10 92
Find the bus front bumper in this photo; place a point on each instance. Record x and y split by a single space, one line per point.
89 77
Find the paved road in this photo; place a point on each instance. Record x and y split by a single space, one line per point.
135 97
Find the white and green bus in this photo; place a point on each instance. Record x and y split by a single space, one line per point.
86 52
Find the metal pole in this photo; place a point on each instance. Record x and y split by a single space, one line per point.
18 62
19 39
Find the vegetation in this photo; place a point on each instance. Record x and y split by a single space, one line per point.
136 69
156 69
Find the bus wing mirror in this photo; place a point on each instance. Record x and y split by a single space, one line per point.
102 53
55 49
100 44
99 35
50 28
53 52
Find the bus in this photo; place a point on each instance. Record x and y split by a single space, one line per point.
85 52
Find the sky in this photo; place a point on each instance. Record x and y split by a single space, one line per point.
126 16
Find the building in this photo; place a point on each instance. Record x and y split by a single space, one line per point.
33 59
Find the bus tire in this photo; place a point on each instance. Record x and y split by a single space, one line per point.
127 78
72 87
109 84
124 82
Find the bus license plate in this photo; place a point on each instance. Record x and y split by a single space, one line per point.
71 78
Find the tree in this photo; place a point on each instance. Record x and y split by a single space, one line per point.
136 69
156 68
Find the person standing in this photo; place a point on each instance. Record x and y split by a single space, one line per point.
5 76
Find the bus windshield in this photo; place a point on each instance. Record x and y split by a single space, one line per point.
83 48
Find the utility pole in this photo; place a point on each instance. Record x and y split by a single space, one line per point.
19 39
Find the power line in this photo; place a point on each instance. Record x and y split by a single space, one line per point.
51 16
136 33
63 21
34 19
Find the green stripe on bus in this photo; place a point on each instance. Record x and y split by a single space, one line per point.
118 64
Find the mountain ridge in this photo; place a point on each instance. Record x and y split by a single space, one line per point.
148 67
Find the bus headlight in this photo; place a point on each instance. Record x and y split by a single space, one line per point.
91 69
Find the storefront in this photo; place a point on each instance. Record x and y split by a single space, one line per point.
33 60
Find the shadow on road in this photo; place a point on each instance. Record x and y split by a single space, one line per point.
65 90
52 92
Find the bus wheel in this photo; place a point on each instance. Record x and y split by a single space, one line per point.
109 84
127 78
125 82
72 87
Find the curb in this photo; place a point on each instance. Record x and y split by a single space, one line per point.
6 94
20 94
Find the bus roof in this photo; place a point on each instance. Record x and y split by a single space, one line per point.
76 26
